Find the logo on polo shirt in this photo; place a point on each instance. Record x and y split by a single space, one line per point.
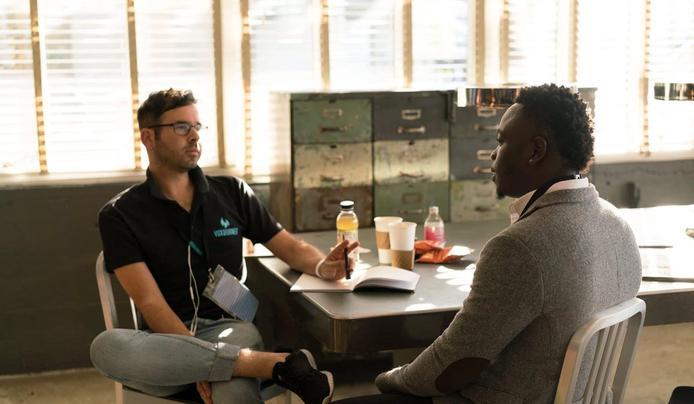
225 231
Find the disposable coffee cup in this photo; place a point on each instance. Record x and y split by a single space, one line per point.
402 244
383 237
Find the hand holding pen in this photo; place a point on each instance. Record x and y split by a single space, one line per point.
337 264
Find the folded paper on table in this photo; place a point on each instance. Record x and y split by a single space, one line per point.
428 253
377 276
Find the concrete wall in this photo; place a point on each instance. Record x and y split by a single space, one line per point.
49 305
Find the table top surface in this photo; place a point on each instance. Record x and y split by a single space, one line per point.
442 288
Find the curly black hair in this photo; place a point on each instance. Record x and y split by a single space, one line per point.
159 102
562 113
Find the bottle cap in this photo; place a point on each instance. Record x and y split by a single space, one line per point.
347 205
433 209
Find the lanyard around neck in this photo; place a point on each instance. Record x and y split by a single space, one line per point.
545 187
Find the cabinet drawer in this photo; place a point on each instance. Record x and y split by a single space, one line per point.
471 121
477 200
471 156
331 121
411 201
405 116
317 208
336 165
414 161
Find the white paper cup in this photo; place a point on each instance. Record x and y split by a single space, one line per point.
383 236
402 244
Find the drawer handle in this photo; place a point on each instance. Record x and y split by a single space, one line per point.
482 170
410 211
410 175
485 112
324 129
328 216
486 208
331 179
338 158
331 112
420 129
411 114
480 128
485 154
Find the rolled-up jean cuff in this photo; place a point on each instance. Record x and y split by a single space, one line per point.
223 365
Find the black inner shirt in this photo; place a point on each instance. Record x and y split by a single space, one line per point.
141 225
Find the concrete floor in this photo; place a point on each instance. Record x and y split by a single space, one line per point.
664 360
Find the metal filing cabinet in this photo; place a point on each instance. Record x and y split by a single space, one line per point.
411 131
476 200
411 200
473 139
331 159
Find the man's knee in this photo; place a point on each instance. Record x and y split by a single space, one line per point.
242 334
108 348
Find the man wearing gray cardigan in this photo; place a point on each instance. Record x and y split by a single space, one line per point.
565 256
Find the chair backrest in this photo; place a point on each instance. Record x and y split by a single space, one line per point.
108 305
617 330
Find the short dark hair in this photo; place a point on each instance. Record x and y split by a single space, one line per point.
563 114
158 102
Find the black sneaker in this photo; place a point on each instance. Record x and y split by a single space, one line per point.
300 374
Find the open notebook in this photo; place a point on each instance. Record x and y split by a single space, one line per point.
374 277
666 264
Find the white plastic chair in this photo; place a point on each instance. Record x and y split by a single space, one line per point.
125 395
618 329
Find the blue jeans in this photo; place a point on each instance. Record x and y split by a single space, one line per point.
165 364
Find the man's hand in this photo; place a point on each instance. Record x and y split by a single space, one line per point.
205 391
333 266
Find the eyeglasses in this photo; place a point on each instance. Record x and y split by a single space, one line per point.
181 128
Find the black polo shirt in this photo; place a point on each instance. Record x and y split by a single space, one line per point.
141 225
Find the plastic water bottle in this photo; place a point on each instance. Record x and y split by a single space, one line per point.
433 227
347 225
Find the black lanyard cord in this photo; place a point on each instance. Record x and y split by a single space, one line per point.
545 187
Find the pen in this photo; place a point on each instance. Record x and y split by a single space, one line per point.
347 264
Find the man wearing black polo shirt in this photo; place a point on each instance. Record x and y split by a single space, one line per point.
162 239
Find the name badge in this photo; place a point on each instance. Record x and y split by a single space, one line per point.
230 295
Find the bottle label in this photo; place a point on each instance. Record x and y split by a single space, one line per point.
351 236
434 233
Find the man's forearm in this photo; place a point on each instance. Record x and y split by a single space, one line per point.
305 258
162 319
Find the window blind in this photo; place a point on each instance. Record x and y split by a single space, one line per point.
283 59
671 123
610 55
175 48
86 92
18 142
362 44
533 40
440 31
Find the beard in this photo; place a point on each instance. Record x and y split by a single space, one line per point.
179 160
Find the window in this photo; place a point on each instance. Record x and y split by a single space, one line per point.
439 43
611 59
86 85
175 48
283 59
18 142
533 41
362 44
671 123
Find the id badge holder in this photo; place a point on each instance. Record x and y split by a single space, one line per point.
230 295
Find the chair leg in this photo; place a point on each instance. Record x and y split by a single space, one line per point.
119 393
